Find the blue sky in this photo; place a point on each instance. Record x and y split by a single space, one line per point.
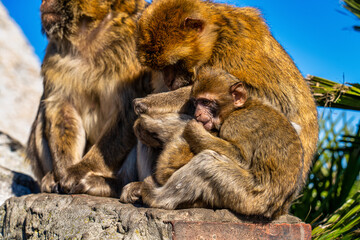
317 34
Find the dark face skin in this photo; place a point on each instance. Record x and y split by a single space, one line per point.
207 111
176 76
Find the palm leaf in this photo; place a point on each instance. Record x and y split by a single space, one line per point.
354 7
332 94
343 223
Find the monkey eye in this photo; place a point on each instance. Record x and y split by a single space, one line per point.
204 102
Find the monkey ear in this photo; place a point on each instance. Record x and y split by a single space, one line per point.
239 94
194 23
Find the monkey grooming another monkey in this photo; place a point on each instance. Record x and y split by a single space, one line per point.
177 37
245 151
83 131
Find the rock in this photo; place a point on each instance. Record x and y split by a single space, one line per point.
15 184
51 216
15 174
12 155
20 81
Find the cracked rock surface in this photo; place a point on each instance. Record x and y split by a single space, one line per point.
52 216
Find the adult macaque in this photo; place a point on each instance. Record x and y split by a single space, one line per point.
248 156
83 130
177 37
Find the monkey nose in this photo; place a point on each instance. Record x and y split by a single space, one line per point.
47 5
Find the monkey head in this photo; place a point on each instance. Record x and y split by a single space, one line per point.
216 94
63 18
175 38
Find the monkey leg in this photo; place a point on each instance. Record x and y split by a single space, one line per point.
217 182
175 154
96 174
61 148
37 151
155 130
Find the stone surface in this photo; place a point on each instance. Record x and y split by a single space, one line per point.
183 230
15 184
51 216
15 174
12 155
20 81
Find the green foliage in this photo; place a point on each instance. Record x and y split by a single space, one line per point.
344 223
335 173
332 94
354 7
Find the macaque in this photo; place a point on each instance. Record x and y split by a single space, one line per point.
248 156
82 140
177 37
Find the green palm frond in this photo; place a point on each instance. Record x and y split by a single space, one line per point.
354 7
332 94
343 224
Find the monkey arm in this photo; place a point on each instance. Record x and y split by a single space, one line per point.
199 140
157 129
167 102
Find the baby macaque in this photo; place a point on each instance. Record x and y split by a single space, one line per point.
238 153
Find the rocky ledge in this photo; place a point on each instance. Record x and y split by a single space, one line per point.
51 216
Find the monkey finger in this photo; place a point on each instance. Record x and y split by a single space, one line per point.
131 193
56 188
96 185
145 136
48 182
140 107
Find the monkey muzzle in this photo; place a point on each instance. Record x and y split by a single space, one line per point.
49 13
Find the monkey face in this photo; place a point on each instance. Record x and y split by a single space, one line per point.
172 39
207 111
56 16
61 18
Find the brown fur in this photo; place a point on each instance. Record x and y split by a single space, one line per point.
236 40
83 130
243 167
176 37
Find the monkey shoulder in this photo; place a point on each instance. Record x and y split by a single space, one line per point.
257 121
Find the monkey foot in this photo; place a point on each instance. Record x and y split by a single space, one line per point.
131 193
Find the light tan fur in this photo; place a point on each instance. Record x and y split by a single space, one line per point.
83 131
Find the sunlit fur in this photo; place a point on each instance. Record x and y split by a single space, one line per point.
83 130
236 40
252 164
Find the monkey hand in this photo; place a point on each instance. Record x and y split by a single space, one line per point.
157 129
144 131
141 105
196 136
48 183
80 180
131 193
194 130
